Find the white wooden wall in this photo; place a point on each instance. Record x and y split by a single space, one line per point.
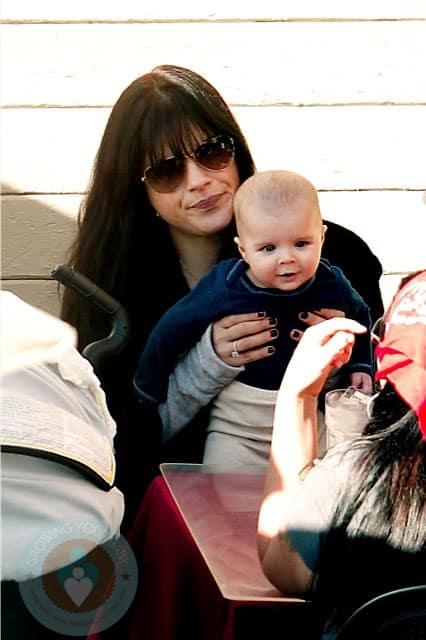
334 90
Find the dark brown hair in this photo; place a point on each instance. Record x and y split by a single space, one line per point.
118 233
377 539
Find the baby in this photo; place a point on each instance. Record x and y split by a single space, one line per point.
280 235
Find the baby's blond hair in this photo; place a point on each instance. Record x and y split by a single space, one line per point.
277 187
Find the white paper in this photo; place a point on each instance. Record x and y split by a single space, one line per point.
37 425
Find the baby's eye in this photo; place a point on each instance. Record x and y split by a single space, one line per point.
301 243
267 248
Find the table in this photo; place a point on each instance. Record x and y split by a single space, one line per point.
200 577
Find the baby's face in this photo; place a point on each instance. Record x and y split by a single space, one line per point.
282 248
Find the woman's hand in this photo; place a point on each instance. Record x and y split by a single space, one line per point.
322 348
315 317
247 334
294 446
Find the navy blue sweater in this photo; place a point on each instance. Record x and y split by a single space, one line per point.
227 290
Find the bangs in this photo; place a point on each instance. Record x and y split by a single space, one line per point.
169 130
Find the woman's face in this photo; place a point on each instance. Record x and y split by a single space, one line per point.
201 205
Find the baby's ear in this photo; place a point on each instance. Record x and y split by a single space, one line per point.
240 247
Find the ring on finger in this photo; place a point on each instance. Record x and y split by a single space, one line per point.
234 353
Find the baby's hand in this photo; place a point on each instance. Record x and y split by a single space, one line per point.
361 381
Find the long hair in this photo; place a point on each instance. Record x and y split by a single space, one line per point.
377 540
119 237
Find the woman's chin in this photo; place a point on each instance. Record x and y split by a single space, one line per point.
212 223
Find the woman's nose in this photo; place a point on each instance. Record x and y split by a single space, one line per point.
195 174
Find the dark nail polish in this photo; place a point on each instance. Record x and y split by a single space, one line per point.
272 321
273 333
261 314
271 350
303 315
295 333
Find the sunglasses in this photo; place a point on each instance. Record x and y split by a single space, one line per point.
167 175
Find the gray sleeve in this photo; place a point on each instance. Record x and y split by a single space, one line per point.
309 516
197 378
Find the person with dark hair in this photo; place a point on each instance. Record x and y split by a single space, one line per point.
352 525
157 216
280 237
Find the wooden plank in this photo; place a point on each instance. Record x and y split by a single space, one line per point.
291 63
40 293
37 232
44 294
341 147
51 150
393 223
209 9
42 153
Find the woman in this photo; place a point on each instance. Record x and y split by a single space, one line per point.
355 526
157 216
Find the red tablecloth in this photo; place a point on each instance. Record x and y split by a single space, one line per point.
177 596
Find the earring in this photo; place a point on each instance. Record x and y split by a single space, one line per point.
157 214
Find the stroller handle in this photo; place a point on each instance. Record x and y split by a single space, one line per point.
116 340
81 284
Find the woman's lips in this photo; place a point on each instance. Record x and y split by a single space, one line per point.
207 203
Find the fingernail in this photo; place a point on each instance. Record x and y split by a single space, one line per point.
295 333
272 321
303 315
271 350
273 333
261 314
